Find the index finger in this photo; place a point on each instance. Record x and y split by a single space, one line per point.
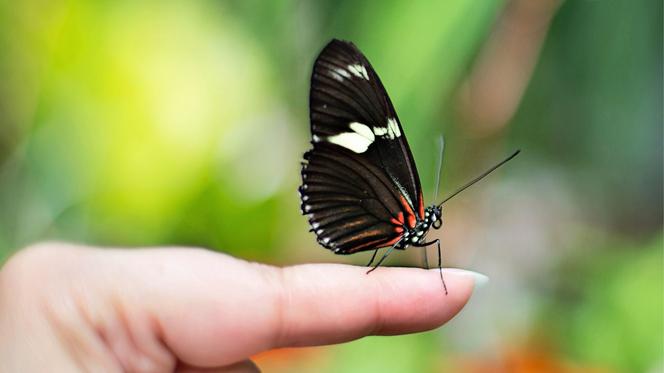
213 309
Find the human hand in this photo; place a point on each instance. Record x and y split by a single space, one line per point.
72 308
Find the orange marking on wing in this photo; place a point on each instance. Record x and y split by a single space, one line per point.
399 220
409 211
399 229
406 205
373 245
411 221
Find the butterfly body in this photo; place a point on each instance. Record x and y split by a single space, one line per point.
415 236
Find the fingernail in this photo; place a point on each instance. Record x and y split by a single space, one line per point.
479 279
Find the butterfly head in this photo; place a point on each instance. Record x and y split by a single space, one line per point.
434 216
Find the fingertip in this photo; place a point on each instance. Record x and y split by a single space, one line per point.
417 300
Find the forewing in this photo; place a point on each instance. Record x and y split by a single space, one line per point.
350 109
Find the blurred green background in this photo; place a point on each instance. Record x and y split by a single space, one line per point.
136 123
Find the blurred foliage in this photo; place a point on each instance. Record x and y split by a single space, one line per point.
607 307
600 84
182 123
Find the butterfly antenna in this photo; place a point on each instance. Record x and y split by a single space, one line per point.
484 174
439 166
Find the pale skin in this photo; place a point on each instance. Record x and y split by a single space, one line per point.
70 308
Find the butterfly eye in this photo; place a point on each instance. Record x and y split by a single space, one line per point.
438 223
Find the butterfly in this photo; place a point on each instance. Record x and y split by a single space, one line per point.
360 187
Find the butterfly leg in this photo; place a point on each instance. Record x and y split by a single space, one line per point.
440 260
372 257
440 265
381 259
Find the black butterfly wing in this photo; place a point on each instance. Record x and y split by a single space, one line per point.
360 185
